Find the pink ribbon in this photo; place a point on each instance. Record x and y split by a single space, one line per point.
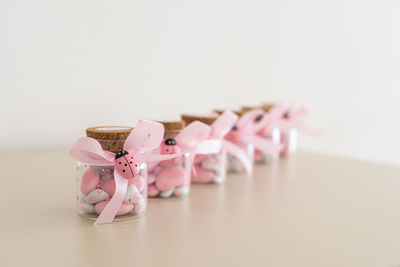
188 140
147 135
248 127
221 127
296 121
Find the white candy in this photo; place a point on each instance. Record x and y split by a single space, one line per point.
151 179
140 206
208 165
87 208
132 194
183 190
95 196
219 176
167 193
234 164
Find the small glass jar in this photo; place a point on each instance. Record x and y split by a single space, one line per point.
208 168
289 140
96 184
233 164
273 135
171 177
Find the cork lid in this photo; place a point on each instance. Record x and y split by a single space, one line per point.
267 106
204 119
173 125
172 128
220 111
248 108
111 138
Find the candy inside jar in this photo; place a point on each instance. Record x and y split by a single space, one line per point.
233 164
96 186
210 168
170 177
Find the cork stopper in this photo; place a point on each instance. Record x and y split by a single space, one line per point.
204 119
267 106
220 111
111 138
248 108
172 128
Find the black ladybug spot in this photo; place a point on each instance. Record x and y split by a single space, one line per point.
234 128
130 162
167 150
120 162
123 170
170 142
135 165
126 164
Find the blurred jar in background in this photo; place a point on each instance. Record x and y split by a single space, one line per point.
208 168
170 177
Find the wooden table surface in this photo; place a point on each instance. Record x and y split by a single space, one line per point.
309 210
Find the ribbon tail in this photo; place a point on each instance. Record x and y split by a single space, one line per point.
265 145
192 164
310 131
240 155
109 212
152 159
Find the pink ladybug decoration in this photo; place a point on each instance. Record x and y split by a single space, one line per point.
169 146
126 165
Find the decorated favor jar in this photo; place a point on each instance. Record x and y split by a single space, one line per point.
268 129
209 165
111 174
237 137
171 177
290 122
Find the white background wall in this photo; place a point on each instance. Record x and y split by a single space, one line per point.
66 65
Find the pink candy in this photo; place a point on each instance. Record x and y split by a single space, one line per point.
170 177
90 181
97 193
209 168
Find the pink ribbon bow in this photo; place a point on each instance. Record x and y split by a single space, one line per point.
247 128
147 135
188 140
295 120
216 141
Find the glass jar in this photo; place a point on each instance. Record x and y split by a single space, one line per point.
289 140
171 177
210 168
233 164
273 135
96 183
96 186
